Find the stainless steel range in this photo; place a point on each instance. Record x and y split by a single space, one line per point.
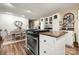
33 40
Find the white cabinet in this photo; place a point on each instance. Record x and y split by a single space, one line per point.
42 23
56 19
60 45
51 22
46 23
69 38
47 44
51 45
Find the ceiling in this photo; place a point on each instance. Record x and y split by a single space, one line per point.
33 10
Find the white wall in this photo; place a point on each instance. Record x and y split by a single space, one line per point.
73 10
7 22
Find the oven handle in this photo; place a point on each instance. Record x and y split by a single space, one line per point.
35 38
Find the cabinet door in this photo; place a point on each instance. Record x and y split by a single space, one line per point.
60 45
47 51
47 40
50 20
56 19
42 25
47 44
69 38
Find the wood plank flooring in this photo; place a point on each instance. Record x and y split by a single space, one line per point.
71 51
17 48
13 49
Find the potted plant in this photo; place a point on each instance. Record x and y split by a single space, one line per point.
75 43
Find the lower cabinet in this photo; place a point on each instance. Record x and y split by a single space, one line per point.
69 38
51 45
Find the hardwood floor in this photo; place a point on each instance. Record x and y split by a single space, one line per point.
13 49
17 48
71 51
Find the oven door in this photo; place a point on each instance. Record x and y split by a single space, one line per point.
32 44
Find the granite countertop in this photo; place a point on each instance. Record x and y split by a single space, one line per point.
54 34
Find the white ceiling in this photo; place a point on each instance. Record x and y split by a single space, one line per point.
33 10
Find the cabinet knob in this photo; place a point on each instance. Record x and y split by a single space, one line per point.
44 40
44 51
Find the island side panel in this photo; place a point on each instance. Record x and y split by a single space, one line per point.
47 45
52 45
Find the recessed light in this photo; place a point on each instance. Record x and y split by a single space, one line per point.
8 12
29 11
23 16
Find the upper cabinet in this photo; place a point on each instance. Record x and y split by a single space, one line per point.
55 16
56 22
41 23
46 23
42 20
51 22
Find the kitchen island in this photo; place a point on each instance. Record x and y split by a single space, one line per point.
43 42
52 43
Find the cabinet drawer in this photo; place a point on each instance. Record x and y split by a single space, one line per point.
47 51
47 45
69 38
47 40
